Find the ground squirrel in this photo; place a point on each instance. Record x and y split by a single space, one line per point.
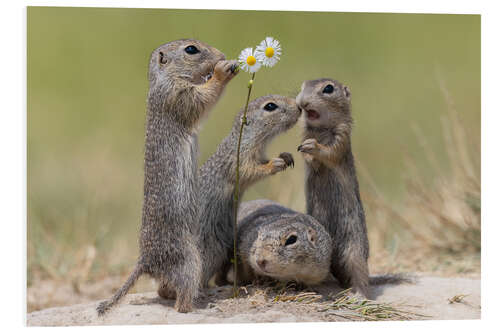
278 242
186 77
267 117
332 192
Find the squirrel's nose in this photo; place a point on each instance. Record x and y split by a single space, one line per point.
262 263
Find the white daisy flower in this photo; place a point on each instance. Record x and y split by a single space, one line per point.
248 61
268 51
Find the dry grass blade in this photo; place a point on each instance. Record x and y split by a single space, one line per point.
306 298
348 307
456 299
366 309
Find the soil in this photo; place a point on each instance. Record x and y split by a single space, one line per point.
427 298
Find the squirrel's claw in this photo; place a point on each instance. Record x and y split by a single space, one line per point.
309 146
225 70
301 148
288 158
234 68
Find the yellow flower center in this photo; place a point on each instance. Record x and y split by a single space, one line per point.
251 60
269 52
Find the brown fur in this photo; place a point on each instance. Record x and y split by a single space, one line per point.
218 175
263 230
182 89
264 227
332 190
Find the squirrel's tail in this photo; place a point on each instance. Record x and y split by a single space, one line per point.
377 280
106 305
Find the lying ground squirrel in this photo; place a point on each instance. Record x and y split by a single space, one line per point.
278 242
186 77
267 117
332 192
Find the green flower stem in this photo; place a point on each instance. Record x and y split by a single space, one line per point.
237 190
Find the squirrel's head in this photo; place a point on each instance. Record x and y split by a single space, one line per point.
325 102
267 117
293 247
184 59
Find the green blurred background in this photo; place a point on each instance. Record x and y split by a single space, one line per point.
87 86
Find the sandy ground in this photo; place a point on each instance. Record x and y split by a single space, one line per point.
427 298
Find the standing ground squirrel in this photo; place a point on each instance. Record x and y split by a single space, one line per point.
186 77
332 191
278 242
267 117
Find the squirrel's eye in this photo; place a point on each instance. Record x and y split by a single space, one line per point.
291 240
270 107
191 49
328 89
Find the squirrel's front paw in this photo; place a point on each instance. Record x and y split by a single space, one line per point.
309 146
282 162
225 70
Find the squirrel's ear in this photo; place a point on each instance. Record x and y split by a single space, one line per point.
347 92
162 58
311 235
